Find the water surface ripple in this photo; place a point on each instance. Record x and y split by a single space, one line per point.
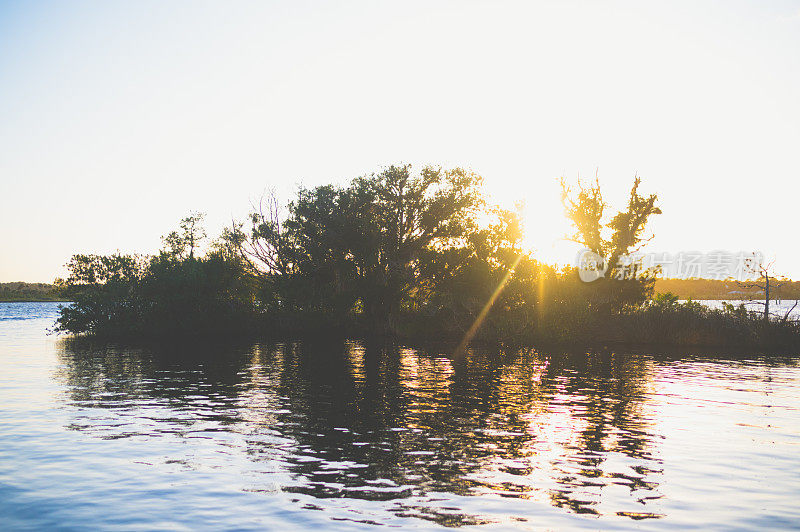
347 436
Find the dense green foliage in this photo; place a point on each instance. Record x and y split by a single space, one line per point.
173 293
404 255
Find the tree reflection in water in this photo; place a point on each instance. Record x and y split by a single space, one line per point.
408 429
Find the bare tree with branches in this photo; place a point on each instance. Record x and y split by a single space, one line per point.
265 249
767 281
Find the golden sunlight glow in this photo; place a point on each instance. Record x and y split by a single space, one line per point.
470 334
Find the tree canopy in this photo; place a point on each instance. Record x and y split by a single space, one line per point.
412 255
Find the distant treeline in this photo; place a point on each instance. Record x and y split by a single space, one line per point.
19 291
704 289
408 257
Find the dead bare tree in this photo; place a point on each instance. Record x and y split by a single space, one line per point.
263 247
767 281
788 312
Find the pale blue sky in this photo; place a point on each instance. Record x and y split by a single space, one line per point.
117 118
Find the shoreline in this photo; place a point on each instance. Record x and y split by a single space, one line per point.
35 301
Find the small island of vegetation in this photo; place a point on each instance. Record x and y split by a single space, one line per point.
408 256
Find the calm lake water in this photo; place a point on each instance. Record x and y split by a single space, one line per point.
777 307
350 437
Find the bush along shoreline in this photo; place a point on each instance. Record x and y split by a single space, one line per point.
404 256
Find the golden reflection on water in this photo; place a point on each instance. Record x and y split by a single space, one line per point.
537 430
396 425
318 434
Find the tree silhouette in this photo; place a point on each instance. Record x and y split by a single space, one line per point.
623 281
362 243
190 235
